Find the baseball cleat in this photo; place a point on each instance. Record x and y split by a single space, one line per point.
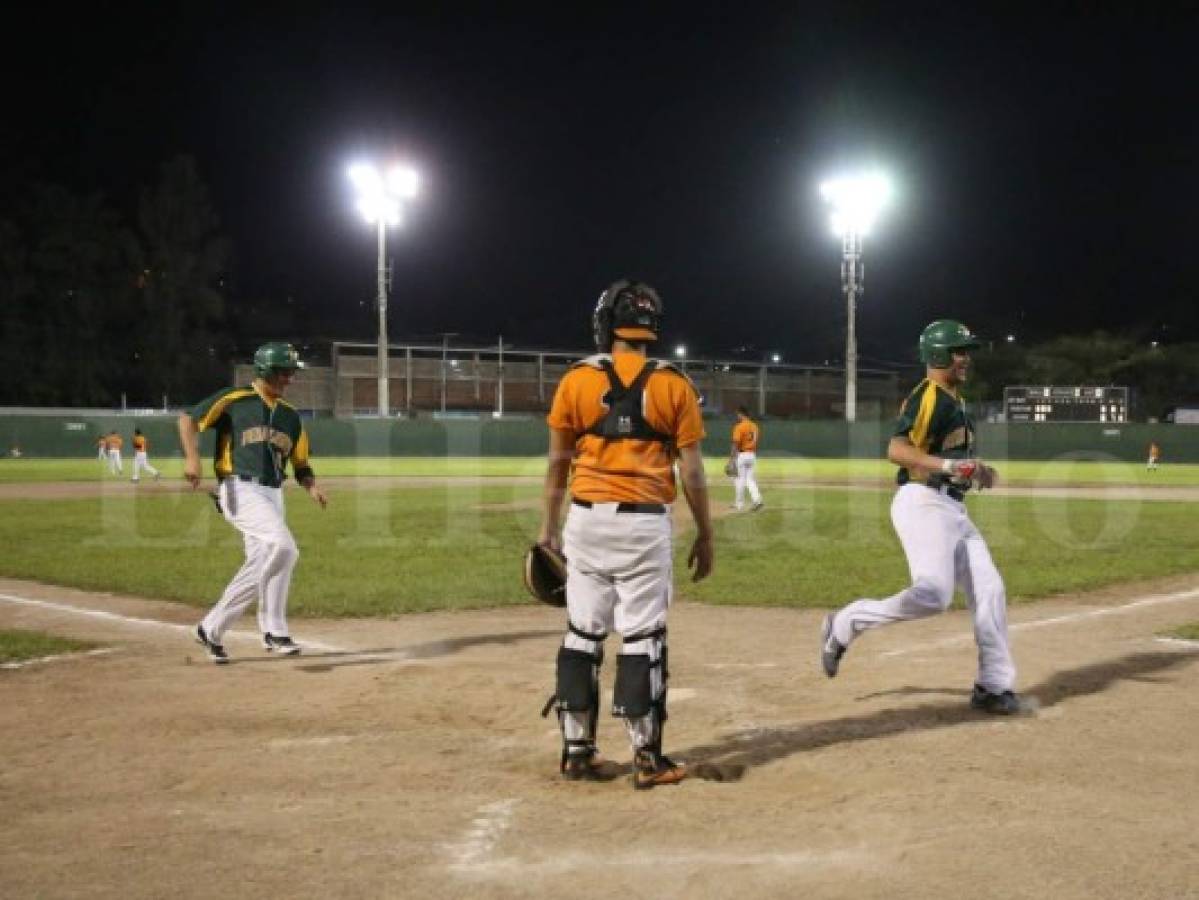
652 769
1005 703
585 767
757 506
284 645
831 650
215 651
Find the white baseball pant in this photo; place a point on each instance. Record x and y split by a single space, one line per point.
746 461
114 462
142 461
618 578
271 554
944 549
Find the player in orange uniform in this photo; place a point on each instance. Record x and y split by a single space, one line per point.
1155 454
743 453
113 444
618 424
141 459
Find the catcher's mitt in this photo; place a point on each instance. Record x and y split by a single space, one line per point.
730 469
545 574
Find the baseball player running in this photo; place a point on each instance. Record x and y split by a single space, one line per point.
256 434
141 459
743 454
934 446
618 423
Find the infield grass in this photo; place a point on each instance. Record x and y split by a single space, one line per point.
1189 632
382 551
16 646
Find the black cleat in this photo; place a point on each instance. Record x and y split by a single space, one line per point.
285 646
215 651
584 767
1005 703
831 650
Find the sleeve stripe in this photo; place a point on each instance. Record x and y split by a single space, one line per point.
218 408
924 417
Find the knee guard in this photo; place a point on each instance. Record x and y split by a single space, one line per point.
641 679
576 694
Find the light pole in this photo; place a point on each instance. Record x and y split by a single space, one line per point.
379 199
855 204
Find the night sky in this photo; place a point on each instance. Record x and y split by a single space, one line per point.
1046 165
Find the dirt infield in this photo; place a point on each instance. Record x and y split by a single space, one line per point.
406 758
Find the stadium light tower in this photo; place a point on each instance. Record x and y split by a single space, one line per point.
856 202
380 195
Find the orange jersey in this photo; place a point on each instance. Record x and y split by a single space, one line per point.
631 470
1154 450
115 442
139 442
745 436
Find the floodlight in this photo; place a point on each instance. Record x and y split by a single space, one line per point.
856 201
379 202
680 351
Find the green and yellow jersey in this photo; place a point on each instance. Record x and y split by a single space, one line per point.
255 436
936 421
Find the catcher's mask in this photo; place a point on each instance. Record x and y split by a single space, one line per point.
276 356
629 310
941 338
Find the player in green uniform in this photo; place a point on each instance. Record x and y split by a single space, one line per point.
934 446
257 433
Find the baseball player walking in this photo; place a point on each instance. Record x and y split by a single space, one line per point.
618 423
743 454
1155 454
934 446
141 459
113 446
256 434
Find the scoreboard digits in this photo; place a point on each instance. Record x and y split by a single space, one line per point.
1065 404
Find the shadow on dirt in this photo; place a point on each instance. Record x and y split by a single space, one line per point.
325 662
740 750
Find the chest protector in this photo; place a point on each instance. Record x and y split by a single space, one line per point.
624 420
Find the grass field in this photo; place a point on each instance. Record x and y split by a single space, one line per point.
1015 472
16 646
1187 632
381 551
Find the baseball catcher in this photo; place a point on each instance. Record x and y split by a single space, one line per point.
545 574
620 421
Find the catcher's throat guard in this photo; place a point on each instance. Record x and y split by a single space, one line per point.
545 574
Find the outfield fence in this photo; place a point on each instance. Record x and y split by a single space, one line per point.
73 433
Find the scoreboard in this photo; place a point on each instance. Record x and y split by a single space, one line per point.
1065 404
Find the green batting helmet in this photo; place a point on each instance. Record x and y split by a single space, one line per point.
276 355
941 338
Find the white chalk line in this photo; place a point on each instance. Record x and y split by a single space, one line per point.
1179 642
148 623
1132 606
666 858
491 821
57 657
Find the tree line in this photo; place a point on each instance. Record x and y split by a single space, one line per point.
99 302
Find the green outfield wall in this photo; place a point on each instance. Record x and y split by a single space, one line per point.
74 435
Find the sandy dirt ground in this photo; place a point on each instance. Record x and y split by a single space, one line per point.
407 758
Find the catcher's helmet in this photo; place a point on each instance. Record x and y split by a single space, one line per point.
941 338
276 355
631 310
